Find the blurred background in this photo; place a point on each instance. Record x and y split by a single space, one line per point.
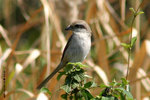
32 38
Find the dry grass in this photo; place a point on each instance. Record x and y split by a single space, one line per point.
32 38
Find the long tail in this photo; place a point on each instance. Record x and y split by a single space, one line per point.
60 66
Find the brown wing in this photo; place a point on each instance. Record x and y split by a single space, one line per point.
67 45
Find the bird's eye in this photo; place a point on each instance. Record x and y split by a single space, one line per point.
79 26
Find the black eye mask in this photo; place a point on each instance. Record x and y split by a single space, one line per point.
79 26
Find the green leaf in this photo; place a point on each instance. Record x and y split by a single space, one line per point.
77 77
66 88
126 93
115 94
64 96
122 97
93 84
87 95
75 85
78 64
70 63
60 75
118 84
10 77
77 68
114 83
124 81
108 98
45 90
79 95
133 40
68 68
90 84
87 76
140 12
97 98
82 76
103 86
125 45
131 9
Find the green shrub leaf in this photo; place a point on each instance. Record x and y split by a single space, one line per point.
107 98
60 75
87 95
64 96
90 84
103 86
125 45
66 88
126 93
140 12
87 76
133 40
77 77
75 85
124 81
45 90
131 9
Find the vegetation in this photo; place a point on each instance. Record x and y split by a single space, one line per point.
32 38
77 87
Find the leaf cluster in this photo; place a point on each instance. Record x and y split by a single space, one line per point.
133 40
77 88
115 91
75 84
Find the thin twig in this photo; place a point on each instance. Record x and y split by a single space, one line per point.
129 50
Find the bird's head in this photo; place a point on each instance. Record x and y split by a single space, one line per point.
79 26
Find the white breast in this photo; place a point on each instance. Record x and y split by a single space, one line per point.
79 47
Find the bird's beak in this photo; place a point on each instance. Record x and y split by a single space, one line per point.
69 28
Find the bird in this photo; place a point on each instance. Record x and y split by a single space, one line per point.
77 47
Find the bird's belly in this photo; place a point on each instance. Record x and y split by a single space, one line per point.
79 50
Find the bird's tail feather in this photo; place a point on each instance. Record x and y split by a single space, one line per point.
60 66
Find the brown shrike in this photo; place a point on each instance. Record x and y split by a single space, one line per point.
77 48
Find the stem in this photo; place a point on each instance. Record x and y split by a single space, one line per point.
129 50
75 94
129 53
